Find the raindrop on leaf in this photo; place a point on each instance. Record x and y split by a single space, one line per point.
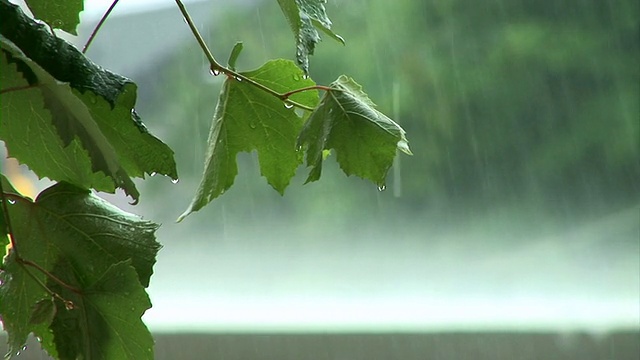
153 173
11 201
288 105
174 181
238 78
214 72
382 187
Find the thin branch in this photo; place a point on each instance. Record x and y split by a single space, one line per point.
217 68
68 304
314 87
97 28
18 88
48 274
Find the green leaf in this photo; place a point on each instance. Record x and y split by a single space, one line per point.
364 139
105 320
64 15
60 59
43 312
81 239
7 188
304 18
28 131
116 142
248 118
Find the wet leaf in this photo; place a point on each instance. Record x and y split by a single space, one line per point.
364 139
93 138
304 18
84 241
63 15
248 118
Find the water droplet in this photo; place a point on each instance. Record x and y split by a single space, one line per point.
299 147
185 20
39 338
11 201
174 181
18 353
253 125
296 77
382 188
24 348
214 72
153 173
69 305
305 76
288 105
238 78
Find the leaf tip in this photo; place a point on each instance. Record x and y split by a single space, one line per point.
403 146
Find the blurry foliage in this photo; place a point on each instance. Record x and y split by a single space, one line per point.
508 102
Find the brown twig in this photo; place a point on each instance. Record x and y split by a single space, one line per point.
97 28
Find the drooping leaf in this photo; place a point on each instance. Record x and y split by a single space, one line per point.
248 118
84 240
28 131
63 15
117 143
60 59
304 18
364 139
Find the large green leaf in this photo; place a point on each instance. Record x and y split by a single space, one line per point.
82 240
364 139
64 15
247 118
304 18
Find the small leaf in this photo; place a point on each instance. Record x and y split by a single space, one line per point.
105 321
64 15
233 57
248 118
304 16
364 139
43 312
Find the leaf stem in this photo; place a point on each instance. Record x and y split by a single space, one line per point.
215 66
48 274
18 88
314 87
97 28
67 303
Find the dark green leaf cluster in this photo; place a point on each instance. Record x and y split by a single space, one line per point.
76 267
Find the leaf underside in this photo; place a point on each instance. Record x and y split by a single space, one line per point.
305 17
76 122
364 139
